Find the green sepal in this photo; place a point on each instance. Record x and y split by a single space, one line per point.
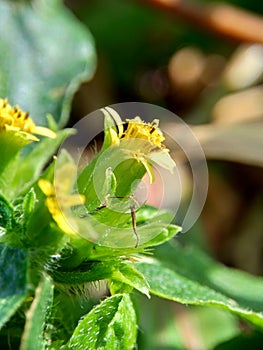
28 205
118 287
85 178
51 122
102 253
112 122
23 171
89 272
11 143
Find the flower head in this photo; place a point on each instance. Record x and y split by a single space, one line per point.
59 201
144 143
147 131
13 119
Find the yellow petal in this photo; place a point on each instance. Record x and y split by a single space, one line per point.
29 137
114 137
149 169
65 178
46 187
63 224
40 130
74 199
163 159
11 128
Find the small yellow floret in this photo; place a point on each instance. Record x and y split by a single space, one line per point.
146 131
14 119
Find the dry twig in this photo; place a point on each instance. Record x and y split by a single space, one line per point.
223 19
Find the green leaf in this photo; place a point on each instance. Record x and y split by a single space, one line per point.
6 214
110 325
159 220
116 287
153 227
45 55
33 337
65 315
126 274
28 205
56 345
166 232
190 277
13 280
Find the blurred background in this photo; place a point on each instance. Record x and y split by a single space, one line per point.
202 60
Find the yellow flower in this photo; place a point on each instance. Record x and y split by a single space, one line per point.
147 131
59 201
14 119
145 143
